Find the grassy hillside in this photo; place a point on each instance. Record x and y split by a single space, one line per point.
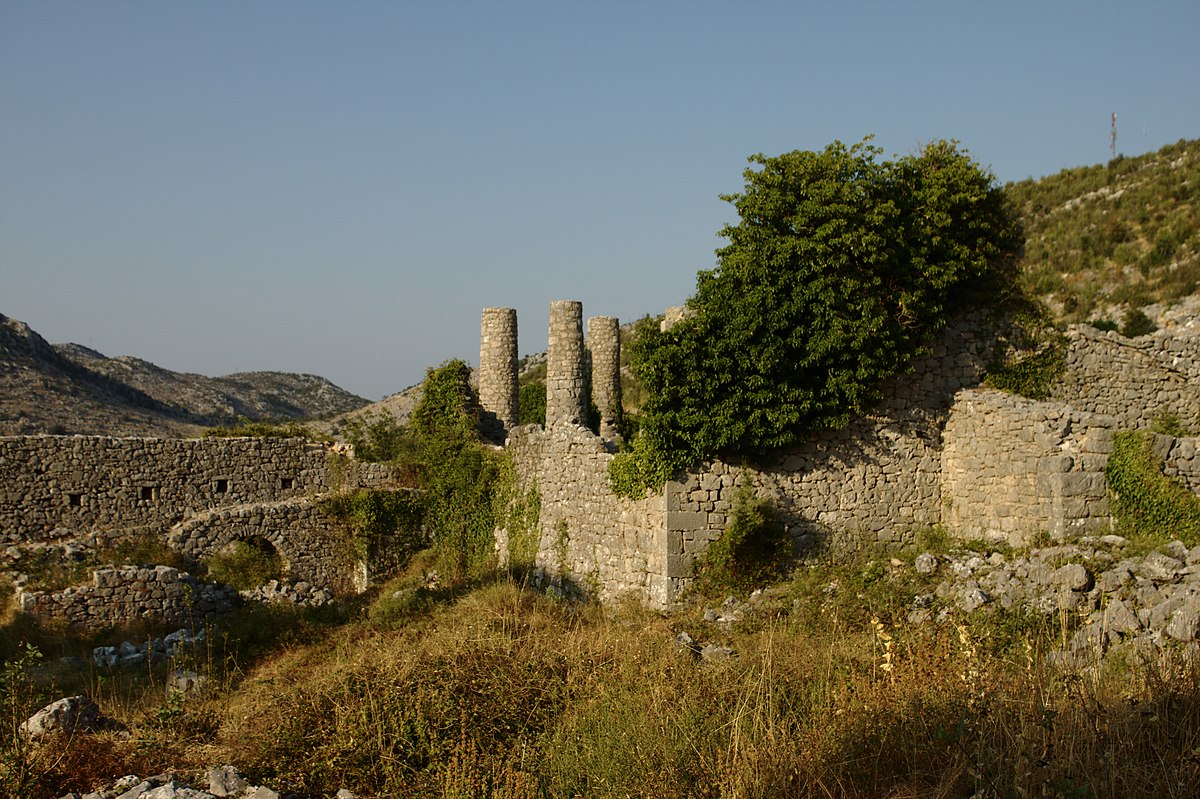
1125 233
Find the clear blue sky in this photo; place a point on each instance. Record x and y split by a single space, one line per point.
340 187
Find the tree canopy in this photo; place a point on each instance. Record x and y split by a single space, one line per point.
841 268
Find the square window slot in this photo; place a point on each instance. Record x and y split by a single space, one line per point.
148 492
221 486
287 483
75 500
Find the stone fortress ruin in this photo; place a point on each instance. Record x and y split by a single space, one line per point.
940 451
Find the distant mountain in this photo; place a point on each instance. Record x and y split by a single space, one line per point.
70 388
1125 234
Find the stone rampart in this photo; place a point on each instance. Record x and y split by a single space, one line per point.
586 535
1133 380
1181 459
937 451
56 487
876 482
123 595
1014 469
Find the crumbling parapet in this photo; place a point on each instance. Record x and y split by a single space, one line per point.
604 343
498 372
564 365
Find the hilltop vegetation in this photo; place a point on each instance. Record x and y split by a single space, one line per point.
1122 233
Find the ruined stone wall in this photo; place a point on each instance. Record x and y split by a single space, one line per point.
57 487
1181 459
1133 380
586 535
877 482
314 549
1014 469
125 595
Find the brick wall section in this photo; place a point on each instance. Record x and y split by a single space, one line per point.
1133 380
1013 469
612 544
125 594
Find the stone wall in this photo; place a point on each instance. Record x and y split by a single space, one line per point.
313 548
980 463
876 482
124 595
55 487
198 494
1013 469
1181 459
1133 380
586 535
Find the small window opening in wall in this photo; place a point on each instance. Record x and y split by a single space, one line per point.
221 486
148 492
287 483
75 500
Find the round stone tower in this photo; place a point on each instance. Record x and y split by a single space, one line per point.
564 364
498 372
604 343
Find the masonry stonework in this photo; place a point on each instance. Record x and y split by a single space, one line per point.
937 451
197 494
124 594
498 372
565 365
1135 381
604 344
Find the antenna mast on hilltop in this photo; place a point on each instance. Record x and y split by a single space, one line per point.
1112 139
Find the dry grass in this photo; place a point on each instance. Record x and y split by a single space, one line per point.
504 693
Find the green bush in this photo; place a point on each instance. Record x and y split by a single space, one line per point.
386 528
841 269
531 400
459 476
1147 504
376 437
1136 323
245 565
248 429
753 550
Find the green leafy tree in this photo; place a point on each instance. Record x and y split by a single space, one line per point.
840 270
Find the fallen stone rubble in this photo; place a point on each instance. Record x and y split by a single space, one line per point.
224 782
1112 597
1146 602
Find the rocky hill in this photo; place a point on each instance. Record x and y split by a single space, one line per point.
1107 238
69 389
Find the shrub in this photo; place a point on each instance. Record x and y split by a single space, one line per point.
244 428
839 272
1146 503
1136 323
245 565
754 549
